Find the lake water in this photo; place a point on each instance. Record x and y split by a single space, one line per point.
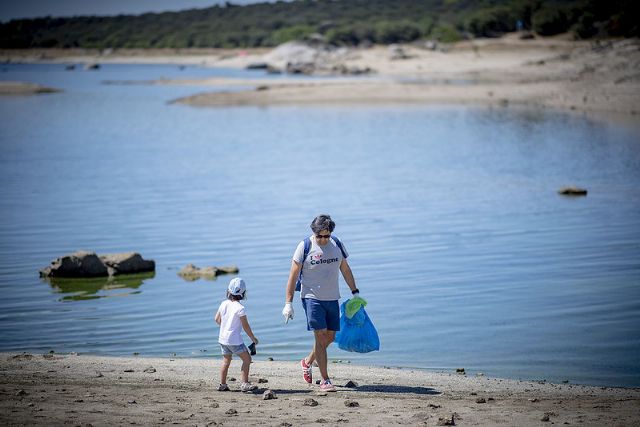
458 240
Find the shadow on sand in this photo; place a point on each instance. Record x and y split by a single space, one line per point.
375 388
389 388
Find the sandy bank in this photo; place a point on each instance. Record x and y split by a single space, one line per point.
582 76
24 88
596 77
55 389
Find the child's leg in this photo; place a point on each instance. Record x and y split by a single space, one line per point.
246 363
224 369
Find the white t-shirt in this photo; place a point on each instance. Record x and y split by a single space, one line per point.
320 270
230 325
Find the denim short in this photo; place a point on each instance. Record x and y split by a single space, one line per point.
233 349
321 314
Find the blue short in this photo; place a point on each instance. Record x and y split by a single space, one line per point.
321 314
233 349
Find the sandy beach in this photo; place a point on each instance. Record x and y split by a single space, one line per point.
54 389
599 77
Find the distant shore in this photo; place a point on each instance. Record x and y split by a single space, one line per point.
593 77
54 389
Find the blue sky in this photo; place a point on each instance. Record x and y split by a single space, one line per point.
15 9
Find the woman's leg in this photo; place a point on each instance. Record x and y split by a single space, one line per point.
323 338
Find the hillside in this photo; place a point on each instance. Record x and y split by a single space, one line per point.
342 22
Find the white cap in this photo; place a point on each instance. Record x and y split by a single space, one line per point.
237 286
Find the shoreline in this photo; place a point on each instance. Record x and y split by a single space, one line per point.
55 389
599 78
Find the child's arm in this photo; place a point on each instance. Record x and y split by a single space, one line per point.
218 318
247 329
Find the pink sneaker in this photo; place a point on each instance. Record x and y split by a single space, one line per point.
327 386
306 371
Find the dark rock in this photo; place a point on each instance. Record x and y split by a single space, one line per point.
572 191
257 66
231 411
310 402
127 263
84 264
77 264
150 370
351 404
92 67
481 400
460 371
269 395
442 421
545 418
262 380
351 384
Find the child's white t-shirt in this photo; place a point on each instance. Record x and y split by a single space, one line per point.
230 325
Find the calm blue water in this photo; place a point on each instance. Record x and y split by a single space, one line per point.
458 240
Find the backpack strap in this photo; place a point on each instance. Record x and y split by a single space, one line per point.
339 244
305 253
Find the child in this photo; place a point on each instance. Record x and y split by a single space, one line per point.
231 317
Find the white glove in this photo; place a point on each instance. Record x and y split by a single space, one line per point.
287 312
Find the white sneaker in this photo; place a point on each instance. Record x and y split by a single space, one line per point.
244 387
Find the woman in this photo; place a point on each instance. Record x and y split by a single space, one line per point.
318 274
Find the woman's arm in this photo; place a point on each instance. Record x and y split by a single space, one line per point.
294 273
345 269
218 318
247 329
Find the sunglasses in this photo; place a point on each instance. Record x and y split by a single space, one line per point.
323 236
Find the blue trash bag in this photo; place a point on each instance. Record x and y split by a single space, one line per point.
358 333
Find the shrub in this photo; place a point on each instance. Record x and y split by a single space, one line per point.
549 21
446 33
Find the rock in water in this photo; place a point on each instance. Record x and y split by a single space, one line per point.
573 191
127 263
78 264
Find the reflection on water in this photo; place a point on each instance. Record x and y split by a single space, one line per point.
98 287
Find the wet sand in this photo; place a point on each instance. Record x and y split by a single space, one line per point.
24 88
54 389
